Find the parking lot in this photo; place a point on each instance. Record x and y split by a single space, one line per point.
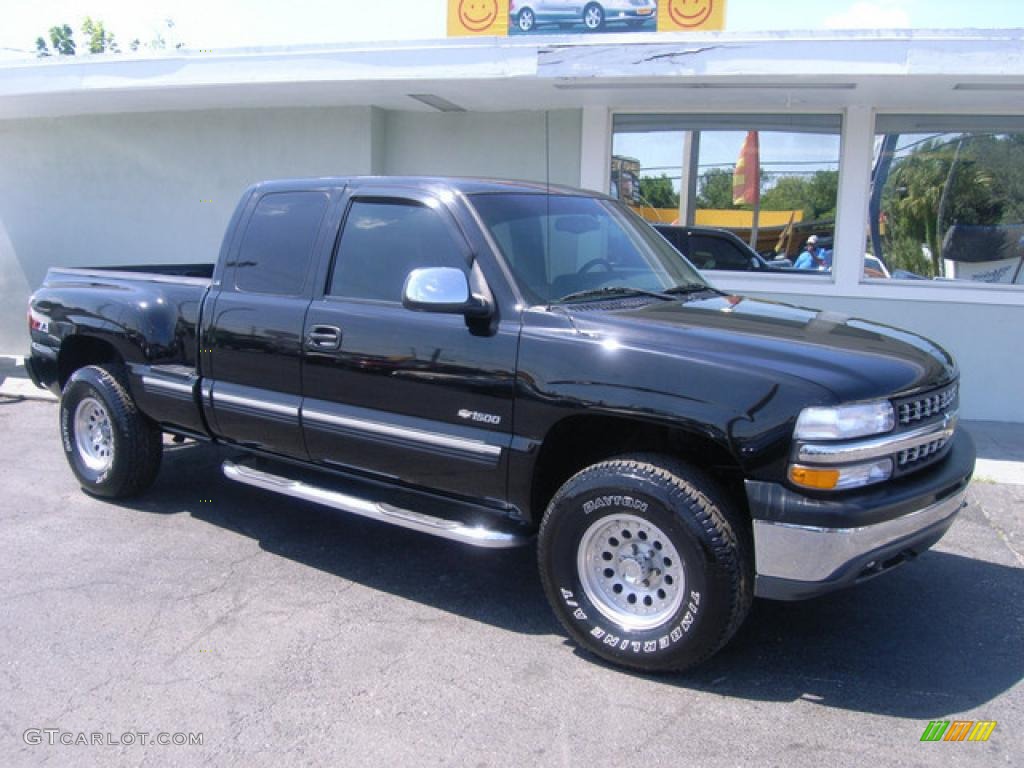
290 634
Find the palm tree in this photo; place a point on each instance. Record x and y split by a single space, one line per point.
934 175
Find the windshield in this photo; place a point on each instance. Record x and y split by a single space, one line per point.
561 245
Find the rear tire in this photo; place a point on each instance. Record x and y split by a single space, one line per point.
526 21
645 563
112 447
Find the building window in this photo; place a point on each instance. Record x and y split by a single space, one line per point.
771 180
947 199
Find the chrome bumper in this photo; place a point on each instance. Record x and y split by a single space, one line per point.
813 560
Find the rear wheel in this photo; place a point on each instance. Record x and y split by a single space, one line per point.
645 563
112 447
526 20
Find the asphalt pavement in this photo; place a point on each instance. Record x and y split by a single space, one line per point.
287 634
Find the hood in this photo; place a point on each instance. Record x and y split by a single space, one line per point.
853 359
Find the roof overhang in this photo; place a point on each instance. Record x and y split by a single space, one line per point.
919 70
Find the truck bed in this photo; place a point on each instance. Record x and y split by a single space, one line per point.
202 272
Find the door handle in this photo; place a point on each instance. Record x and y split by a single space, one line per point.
321 337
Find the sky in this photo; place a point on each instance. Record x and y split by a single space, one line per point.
213 24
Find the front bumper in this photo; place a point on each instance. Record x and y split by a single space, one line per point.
809 546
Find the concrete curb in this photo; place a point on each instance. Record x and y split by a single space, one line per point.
15 383
24 389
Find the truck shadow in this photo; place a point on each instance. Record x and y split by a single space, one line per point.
942 636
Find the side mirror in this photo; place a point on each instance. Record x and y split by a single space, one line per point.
442 289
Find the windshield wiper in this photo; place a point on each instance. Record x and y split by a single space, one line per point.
612 290
685 288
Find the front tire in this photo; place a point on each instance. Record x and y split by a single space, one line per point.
526 20
112 447
645 563
593 17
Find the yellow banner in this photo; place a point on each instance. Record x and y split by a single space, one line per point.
468 18
691 15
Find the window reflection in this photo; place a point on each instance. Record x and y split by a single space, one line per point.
947 198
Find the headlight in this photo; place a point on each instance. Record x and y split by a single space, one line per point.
842 422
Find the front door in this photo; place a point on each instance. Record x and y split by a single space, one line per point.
413 396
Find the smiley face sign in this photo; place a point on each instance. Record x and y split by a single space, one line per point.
477 17
690 15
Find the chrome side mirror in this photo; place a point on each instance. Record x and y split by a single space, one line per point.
442 289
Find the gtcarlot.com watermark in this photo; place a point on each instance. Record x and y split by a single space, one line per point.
58 736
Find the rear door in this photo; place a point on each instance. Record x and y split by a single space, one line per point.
414 396
252 354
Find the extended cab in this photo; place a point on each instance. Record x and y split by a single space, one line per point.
501 363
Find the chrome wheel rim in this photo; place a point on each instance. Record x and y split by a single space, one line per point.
592 17
631 572
94 434
526 21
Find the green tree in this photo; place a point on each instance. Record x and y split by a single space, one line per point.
100 40
914 192
715 190
1002 156
657 192
62 40
815 196
41 50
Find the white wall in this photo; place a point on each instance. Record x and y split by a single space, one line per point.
507 145
131 188
983 339
110 189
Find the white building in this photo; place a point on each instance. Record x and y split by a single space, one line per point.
107 160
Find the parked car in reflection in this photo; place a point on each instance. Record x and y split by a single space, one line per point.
709 248
875 267
527 15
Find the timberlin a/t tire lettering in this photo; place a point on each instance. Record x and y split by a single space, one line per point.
645 563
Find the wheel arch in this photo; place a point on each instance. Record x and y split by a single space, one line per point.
78 351
576 442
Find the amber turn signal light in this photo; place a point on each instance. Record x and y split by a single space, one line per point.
810 477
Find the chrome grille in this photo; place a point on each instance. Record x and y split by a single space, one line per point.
919 453
926 407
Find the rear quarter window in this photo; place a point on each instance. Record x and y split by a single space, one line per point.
277 248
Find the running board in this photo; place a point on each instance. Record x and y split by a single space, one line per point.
477 536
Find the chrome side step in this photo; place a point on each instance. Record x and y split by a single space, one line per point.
477 536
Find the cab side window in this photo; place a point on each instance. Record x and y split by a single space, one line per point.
277 247
382 242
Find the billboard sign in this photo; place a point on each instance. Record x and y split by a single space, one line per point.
568 17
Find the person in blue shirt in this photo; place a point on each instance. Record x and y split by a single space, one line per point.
813 257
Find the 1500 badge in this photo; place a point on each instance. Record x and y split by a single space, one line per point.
486 418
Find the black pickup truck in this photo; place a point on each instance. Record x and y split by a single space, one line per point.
500 363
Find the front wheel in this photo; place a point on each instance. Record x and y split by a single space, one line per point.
644 563
526 20
593 17
112 447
